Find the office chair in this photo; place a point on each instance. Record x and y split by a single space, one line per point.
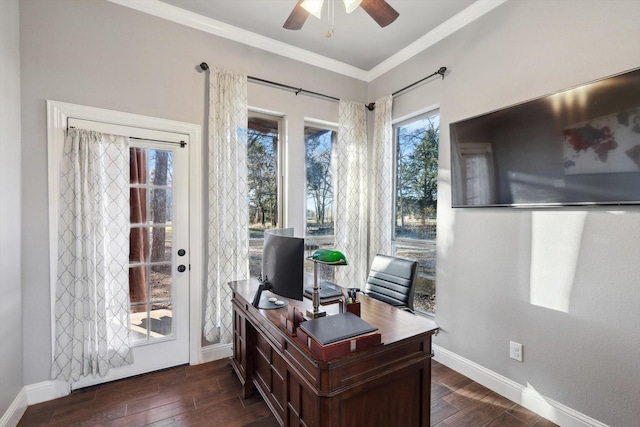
392 280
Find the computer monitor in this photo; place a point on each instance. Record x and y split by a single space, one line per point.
283 263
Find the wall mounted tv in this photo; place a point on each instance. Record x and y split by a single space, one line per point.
577 147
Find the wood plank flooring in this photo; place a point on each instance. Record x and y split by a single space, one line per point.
209 395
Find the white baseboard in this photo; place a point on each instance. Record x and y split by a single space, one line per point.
15 411
524 396
215 352
49 390
46 390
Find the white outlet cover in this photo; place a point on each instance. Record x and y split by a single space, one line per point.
515 351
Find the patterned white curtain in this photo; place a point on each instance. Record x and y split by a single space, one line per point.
351 192
92 289
228 206
381 180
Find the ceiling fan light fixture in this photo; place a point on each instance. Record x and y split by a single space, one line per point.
351 5
314 7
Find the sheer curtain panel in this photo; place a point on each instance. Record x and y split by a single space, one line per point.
92 289
351 192
381 180
228 206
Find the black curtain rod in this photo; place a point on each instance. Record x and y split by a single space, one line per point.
181 143
371 106
292 88
440 72
204 66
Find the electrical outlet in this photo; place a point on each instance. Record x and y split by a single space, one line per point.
515 351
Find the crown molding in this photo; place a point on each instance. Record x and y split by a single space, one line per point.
190 19
450 26
220 29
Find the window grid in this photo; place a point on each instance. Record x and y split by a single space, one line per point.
152 269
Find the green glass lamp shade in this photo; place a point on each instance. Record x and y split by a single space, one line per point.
329 256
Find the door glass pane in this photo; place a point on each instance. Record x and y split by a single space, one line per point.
160 163
138 288
138 245
161 321
161 284
161 249
138 165
151 248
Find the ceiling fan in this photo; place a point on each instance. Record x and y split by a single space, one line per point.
379 10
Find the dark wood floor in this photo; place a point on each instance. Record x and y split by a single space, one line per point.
208 395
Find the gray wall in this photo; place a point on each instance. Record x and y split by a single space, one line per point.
104 55
563 282
10 289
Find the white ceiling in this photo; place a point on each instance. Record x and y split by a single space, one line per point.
358 48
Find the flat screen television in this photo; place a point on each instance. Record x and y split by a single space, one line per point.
283 262
580 146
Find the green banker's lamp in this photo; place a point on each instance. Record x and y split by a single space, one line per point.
322 256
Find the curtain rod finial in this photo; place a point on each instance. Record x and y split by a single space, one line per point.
441 71
204 66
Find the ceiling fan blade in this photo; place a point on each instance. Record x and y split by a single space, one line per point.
297 18
380 11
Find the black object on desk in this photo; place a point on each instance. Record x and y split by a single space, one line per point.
342 326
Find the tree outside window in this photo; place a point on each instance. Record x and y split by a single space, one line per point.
262 179
318 145
319 141
415 204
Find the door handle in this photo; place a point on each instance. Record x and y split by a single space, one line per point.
182 268
181 252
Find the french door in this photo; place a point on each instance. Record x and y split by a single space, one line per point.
166 187
159 264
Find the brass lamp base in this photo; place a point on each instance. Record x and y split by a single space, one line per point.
315 314
322 256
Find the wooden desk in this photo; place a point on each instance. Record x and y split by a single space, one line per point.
388 385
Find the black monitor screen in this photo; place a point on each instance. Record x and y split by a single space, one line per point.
283 262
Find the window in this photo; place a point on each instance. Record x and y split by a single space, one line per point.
319 140
318 143
151 243
415 201
263 164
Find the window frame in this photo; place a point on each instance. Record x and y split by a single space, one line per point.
258 242
280 170
325 240
411 243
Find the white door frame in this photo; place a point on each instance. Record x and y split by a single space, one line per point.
57 115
